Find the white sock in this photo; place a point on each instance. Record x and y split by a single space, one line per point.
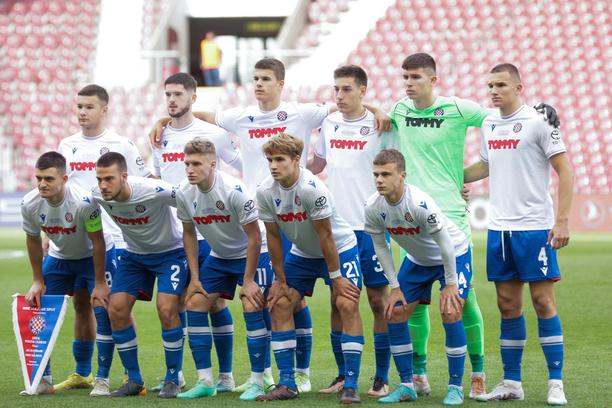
257 378
303 371
206 375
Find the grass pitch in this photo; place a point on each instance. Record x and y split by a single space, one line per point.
584 303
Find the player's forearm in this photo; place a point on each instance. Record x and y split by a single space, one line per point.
99 259
237 163
475 172
206 117
330 252
35 255
190 243
447 251
253 251
385 259
566 192
371 108
275 250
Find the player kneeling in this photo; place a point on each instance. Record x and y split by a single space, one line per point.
224 212
437 250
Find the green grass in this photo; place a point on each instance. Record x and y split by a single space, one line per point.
584 304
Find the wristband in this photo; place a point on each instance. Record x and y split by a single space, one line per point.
335 274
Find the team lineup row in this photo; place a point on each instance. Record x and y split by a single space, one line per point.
279 228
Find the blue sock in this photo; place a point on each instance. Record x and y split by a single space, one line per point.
400 345
104 342
383 356
456 348
223 334
352 347
512 341
83 352
183 317
283 344
268 321
551 340
336 343
257 337
127 346
303 332
173 346
200 339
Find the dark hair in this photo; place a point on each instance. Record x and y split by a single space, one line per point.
111 158
272 64
94 90
391 156
51 159
184 79
352 71
509 68
419 60
284 143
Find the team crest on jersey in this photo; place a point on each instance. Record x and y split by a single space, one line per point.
517 128
219 204
140 208
439 112
312 183
104 150
364 130
251 118
298 200
68 217
408 217
282 115
43 217
37 324
158 189
277 201
74 149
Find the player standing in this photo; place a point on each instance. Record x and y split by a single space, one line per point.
220 207
299 204
517 150
81 151
346 146
436 250
168 164
142 209
71 220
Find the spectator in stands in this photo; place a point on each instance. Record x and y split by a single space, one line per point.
210 60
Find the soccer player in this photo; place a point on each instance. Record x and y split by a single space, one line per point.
168 164
223 211
346 146
516 152
299 204
437 251
81 151
141 207
71 220
432 131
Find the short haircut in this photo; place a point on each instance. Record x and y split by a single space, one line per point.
391 156
419 60
51 159
200 146
272 64
352 71
509 68
182 78
284 144
94 90
111 158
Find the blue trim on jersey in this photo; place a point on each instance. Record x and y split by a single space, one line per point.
373 275
64 276
302 273
416 280
137 273
219 275
522 255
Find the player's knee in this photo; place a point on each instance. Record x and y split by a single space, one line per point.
377 304
347 308
167 313
508 307
544 305
283 309
118 312
218 306
451 318
249 307
82 305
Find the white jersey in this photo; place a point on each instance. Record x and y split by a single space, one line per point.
168 160
518 148
294 209
254 127
82 153
410 223
219 214
148 225
349 148
66 224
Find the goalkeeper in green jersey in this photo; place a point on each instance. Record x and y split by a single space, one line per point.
432 131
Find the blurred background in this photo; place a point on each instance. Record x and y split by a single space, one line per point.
49 49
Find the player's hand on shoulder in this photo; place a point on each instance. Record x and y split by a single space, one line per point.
382 121
558 237
100 296
343 287
395 298
251 292
450 301
195 288
37 289
157 130
466 193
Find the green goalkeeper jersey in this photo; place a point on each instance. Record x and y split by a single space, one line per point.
432 140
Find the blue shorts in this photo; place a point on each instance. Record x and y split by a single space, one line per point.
111 266
65 276
203 251
373 275
521 255
416 280
302 273
222 275
136 274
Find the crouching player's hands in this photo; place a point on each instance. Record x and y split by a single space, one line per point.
396 297
342 287
100 295
194 288
450 301
252 293
277 291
